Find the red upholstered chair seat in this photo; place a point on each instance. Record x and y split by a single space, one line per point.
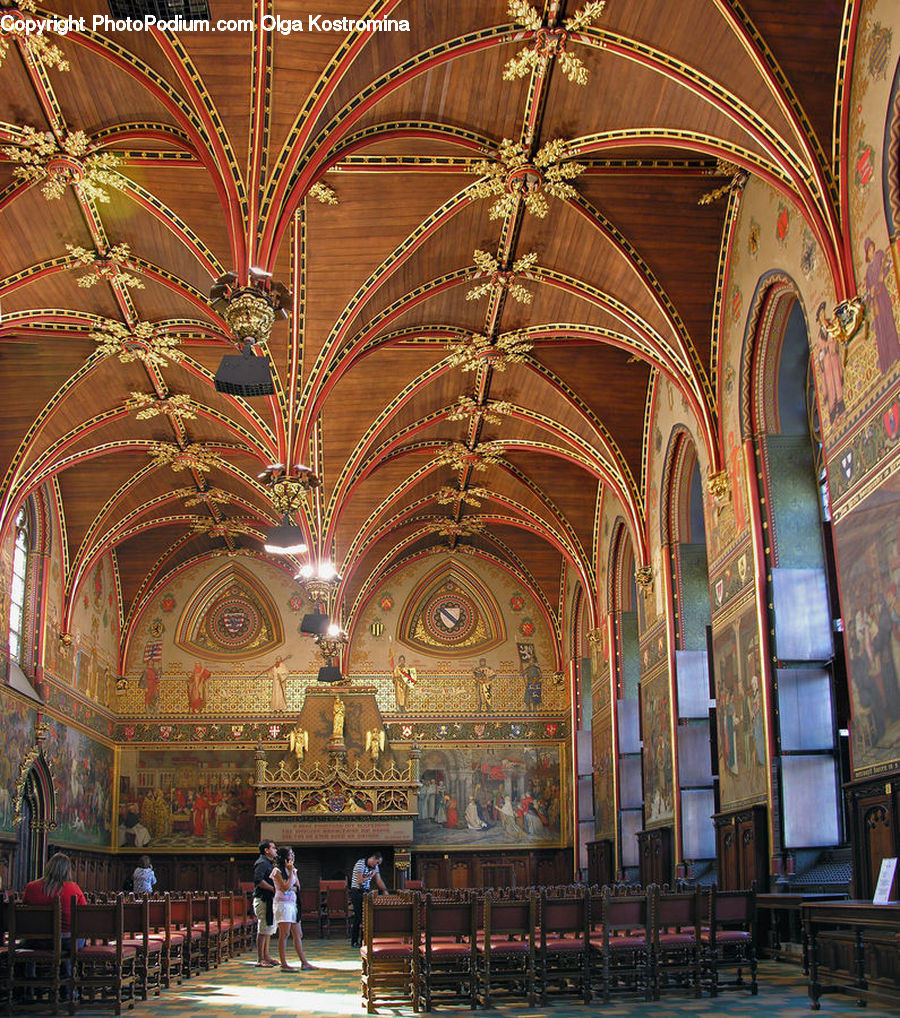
106 951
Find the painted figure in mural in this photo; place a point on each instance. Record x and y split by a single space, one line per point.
756 730
338 713
473 818
150 685
279 672
404 678
484 677
878 302
197 687
831 366
452 812
736 475
426 799
508 818
534 687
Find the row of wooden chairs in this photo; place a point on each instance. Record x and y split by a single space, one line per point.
537 944
121 948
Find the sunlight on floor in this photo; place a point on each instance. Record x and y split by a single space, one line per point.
299 1000
329 965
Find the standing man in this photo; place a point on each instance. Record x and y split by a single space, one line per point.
364 872
263 894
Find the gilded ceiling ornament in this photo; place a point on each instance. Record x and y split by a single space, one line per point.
460 456
466 408
229 528
644 578
212 496
481 351
719 487
191 457
323 193
724 168
448 495
597 636
61 162
148 405
507 279
457 528
550 42
140 341
514 177
849 318
105 265
39 47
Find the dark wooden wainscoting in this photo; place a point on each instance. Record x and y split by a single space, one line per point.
742 848
873 811
655 856
493 869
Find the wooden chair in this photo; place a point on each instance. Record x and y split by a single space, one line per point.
506 952
36 977
310 905
390 952
729 942
201 922
621 955
676 942
159 918
221 924
104 968
180 915
448 963
564 948
335 906
148 961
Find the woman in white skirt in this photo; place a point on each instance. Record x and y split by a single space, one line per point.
284 907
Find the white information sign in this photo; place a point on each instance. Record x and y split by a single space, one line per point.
885 882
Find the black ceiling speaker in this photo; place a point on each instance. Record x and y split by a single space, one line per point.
245 375
315 624
330 674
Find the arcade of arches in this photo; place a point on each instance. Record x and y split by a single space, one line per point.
583 335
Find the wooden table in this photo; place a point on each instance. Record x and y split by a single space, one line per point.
866 922
782 921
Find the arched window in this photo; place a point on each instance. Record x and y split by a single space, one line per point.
18 587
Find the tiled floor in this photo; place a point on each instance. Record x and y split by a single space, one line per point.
238 988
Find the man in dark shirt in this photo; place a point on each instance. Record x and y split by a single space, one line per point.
263 893
365 872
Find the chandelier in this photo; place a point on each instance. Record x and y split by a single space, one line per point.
288 492
318 581
331 642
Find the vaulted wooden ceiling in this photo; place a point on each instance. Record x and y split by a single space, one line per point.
220 142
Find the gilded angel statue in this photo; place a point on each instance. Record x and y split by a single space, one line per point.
375 742
298 742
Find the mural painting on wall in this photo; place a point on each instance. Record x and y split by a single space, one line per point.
496 796
868 549
197 687
484 677
83 773
604 803
531 673
879 273
404 678
18 730
656 717
150 676
450 610
182 800
739 717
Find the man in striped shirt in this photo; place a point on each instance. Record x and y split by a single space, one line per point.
364 872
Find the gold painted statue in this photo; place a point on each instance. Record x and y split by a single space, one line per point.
337 730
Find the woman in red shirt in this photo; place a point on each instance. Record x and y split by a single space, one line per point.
57 882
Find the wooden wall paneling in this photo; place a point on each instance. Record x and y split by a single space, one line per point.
600 862
872 807
655 856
